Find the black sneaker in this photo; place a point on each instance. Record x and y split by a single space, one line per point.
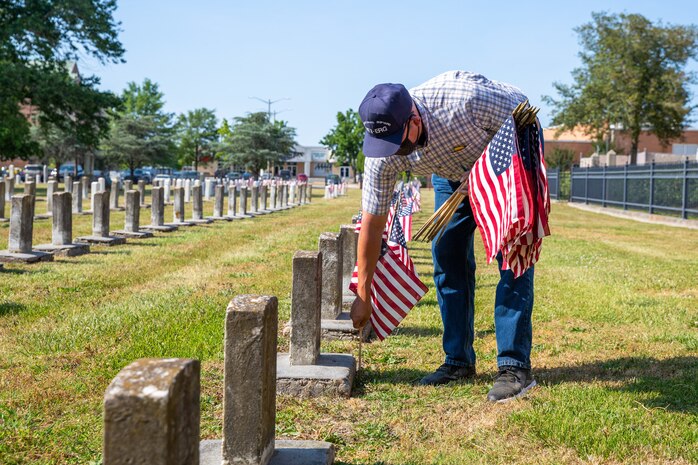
447 373
511 382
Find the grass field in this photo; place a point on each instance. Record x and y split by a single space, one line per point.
615 344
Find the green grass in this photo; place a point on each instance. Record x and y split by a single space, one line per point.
615 344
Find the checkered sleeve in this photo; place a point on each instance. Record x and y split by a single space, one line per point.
379 181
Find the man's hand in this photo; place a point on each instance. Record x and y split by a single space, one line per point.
360 312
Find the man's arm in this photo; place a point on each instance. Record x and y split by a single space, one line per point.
369 246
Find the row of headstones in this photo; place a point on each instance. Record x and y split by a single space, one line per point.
152 407
263 197
332 191
20 246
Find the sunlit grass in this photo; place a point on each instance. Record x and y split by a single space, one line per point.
615 344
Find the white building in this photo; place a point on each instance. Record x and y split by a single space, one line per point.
316 161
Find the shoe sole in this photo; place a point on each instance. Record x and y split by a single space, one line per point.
523 392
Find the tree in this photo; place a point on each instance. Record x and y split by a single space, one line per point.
135 141
346 140
559 157
140 131
632 79
197 132
37 41
256 142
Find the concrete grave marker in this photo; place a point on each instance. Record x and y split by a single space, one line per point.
100 223
62 231
19 245
152 414
249 403
157 212
305 371
132 218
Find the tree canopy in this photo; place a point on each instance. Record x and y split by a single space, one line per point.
346 140
256 142
38 39
632 77
197 133
140 131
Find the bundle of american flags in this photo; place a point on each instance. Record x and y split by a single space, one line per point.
395 288
509 196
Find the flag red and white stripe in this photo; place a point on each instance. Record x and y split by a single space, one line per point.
395 290
511 203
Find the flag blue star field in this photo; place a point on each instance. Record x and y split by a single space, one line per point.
509 196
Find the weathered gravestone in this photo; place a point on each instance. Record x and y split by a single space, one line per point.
243 203
77 199
132 218
157 212
249 402
152 414
178 208
19 245
100 223
2 202
218 204
62 230
141 193
336 323
305 371
51 188
197 207
114 196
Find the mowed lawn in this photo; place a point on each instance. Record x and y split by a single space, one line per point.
615 344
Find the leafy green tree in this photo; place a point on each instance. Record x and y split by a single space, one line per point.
140 131
560 157
38 39
135 141
346 140
257 143
58 146
632 77
197 133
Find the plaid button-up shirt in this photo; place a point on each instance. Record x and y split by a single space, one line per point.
461 112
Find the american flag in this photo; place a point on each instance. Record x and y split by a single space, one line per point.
397 242
509 196
395 289
404 216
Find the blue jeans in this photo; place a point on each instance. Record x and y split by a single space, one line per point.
454 276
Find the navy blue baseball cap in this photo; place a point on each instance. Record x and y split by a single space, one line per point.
384 112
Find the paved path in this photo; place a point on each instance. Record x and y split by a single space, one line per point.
638 216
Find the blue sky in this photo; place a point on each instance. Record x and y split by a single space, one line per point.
321 57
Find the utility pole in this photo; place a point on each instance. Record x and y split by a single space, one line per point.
269 103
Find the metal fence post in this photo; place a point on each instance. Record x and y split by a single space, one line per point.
684 194
603 187
571 183
586 186
652 187
625 186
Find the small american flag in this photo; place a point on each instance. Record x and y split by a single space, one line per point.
398 243
509 196
395 289
405 219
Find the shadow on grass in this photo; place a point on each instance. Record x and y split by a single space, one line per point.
670 383
11 308
408 376
418 331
